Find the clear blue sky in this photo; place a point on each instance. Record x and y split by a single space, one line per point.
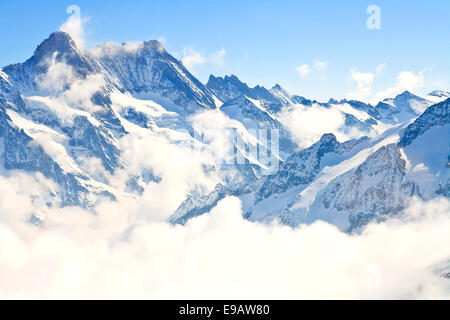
265 41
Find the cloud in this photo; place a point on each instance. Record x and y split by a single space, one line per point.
111 49
406 80
162 40
304 70
381 67
222 135
162 159
64 93
307 124
75 25
364 82
320 64
117 254
59 76
217 58
192 58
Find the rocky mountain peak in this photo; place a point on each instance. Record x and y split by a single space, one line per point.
58 41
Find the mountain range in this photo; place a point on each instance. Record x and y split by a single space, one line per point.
65 114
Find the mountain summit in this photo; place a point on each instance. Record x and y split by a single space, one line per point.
148 71
59 42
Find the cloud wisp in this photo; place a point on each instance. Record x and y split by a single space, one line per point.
307 124
305 69
192 58
365 84
75 25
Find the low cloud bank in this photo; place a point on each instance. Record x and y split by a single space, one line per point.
118 253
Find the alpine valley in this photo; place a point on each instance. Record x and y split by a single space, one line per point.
71 118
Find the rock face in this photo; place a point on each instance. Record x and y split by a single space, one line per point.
9 96
299 170
375 189
149 71
437 115
21 154
302 167
229 88
96 141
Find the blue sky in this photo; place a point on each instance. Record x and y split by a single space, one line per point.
264 42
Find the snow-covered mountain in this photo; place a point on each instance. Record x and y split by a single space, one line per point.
230 87
148 71
71 118
64 108
438 96
352 183
358 115
402 108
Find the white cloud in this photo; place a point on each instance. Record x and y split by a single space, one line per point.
364 82
406 80
223 134
381 67
117 254
75 25
304 70
307 124
217 58
192 58
111 49
162 40
64 93
58 77
320 64
161 199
